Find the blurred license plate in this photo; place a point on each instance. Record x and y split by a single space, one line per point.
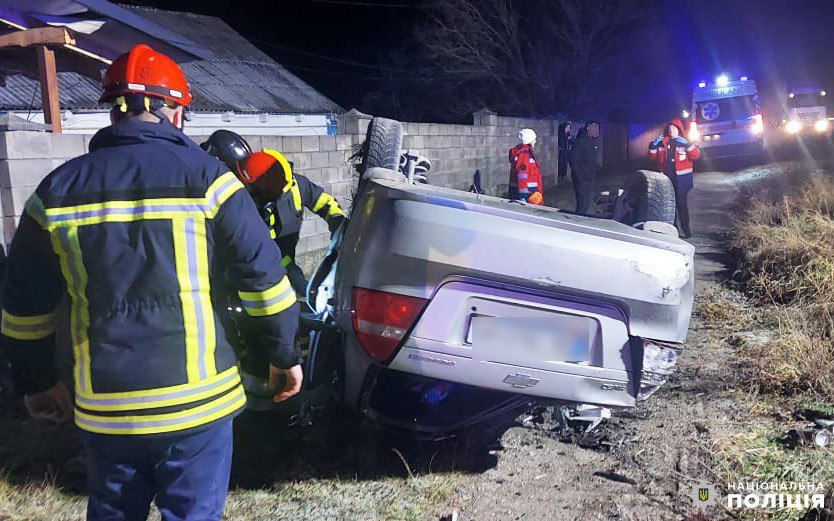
524 341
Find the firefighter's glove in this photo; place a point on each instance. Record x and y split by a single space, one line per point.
535 198
334 222
682 140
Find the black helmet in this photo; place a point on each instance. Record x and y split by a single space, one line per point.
228 147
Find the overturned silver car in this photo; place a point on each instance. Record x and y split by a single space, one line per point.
442 309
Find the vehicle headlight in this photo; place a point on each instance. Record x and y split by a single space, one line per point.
793 126
694 135
821 125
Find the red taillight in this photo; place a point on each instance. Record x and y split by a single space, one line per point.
381 320
758 124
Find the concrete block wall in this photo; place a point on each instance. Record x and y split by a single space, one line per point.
25 159
456 152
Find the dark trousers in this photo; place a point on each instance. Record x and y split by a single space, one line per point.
583 189
682 204
185 475
682 207
563 164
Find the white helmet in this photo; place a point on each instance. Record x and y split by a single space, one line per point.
527 136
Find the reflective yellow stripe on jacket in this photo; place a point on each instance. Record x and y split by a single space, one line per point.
65 243
163 397
169 208
33 327
329 201
269 302
296 196
221 407
191 255
214 395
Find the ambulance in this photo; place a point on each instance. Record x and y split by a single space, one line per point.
726 118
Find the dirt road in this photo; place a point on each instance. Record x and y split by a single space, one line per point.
666 442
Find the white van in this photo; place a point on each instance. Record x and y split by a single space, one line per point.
726 117
806 111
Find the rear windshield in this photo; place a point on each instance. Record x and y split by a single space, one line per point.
806 100
728 109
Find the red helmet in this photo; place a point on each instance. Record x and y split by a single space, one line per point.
145 71
258 164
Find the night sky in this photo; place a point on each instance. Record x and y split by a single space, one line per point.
336 45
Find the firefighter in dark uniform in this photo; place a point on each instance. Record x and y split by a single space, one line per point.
282 196
140 232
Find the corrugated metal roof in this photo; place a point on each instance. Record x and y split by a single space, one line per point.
168 34
19 92
206 31
239 78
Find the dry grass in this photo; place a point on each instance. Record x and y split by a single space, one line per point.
422 497
38 501
278 474
758 456
785 248
717 307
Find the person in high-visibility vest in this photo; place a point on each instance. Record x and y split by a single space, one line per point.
674 155
525 174
140 232
282 195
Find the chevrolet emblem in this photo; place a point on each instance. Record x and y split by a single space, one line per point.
521 381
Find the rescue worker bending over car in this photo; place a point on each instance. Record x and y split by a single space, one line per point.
140 232
525 174
279 193
282 196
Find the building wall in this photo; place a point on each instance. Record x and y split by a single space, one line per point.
456 152
25 159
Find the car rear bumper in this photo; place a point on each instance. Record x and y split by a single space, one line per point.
607 387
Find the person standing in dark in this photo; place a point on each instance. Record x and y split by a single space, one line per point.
585 160
565 144
673 155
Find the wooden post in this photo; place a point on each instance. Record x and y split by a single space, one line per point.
39 38
49 88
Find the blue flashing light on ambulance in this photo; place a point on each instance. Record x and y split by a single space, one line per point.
726 117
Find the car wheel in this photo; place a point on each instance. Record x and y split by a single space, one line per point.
383 143
652 198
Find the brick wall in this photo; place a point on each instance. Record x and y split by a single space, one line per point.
456 152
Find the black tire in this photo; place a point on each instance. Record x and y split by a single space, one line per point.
383 143
652 197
